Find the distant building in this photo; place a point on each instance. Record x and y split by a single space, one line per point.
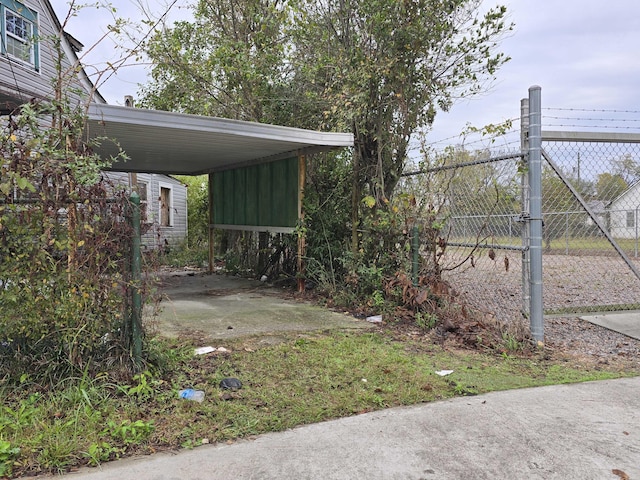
624 213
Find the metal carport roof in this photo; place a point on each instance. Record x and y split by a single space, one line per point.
175 143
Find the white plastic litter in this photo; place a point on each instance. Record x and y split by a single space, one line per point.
222 349
191 394
375 319
444 373
203 350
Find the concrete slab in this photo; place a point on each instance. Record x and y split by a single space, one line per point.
582 431
627 323
220 306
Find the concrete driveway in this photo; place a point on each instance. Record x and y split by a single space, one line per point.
219 306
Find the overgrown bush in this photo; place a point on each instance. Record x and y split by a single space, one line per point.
64 247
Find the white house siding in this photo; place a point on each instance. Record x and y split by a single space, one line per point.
22 82
624 214
158 235
19 83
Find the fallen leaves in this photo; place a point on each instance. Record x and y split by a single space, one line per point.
620 473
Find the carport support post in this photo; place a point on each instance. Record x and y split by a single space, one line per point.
136 281
302 178
536 315
210 228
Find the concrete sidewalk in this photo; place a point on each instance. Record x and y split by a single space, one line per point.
581 431
627 323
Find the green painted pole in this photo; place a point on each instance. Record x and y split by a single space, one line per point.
415 250
136 281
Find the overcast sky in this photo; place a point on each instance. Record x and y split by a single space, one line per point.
585 54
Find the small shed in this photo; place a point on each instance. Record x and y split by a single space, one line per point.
256 171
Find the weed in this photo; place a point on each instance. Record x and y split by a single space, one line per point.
145 387
511 344
128 432
299 381
57 450
8 454
100 452
464 390
377 300
426 321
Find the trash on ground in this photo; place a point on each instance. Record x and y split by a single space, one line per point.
203 350
230 383
191 394
222 349
375 319
444 373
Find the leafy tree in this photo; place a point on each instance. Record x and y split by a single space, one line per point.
228 62
610 186
198 214
382 68
378 68
627 168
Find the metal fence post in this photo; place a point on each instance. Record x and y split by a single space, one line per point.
136 281
524 217
415 250
536 314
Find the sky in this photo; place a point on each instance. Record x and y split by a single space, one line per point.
584 54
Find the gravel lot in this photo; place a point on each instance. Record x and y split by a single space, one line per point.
568 281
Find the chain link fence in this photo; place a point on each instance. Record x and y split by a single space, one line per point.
590 201
476 191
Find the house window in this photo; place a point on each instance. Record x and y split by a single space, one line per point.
18 32
631 218
166 210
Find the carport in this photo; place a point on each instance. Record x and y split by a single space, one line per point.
257 172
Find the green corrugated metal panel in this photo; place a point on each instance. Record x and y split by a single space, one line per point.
239 196
259 195
252 183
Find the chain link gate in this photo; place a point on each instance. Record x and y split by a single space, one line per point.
591 200
587 241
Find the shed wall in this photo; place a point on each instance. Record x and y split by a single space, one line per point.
264 195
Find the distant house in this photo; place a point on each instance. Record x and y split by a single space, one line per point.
624 213
163 200
27 67
599 209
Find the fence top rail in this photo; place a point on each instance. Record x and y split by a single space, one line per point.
596 137
454 166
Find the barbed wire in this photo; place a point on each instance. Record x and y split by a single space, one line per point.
590 110
594 119
607 127
462 138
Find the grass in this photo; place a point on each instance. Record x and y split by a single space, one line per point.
578 245
302 380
